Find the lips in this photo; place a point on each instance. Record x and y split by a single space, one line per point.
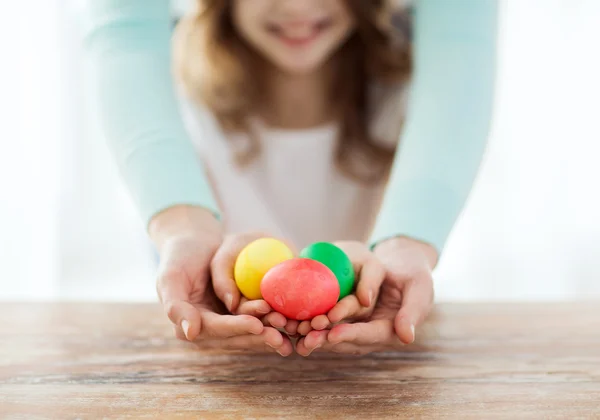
299 33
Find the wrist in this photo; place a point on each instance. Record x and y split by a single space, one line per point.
184 220
402 243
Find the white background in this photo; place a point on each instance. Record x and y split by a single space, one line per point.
531 230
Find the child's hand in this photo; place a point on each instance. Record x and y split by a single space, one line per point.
369 274
187 238
222 268
405 300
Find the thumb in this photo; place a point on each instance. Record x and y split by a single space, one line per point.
173 289
372 275
417 300
221 269
369 272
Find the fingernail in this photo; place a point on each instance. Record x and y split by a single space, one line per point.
412 330
370 298
185 326
228 301
280 353
316 347
270 345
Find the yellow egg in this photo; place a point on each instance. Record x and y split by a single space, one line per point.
254 261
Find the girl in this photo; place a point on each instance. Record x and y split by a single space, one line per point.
296 127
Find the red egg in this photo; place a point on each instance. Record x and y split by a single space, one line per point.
300 288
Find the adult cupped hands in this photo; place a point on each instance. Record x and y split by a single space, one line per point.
393 294
405 300
191 244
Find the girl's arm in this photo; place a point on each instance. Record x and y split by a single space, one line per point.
447 123
129 43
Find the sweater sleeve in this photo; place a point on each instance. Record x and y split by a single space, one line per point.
128 42
448 120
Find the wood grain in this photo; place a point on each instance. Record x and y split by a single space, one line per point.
68 361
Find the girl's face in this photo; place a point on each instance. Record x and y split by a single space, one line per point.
297 36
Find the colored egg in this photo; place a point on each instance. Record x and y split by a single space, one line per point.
300 288
254 261
336 260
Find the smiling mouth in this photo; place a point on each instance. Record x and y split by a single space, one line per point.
299 35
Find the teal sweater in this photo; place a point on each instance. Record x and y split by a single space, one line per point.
441 146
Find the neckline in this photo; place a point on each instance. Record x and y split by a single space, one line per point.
320 129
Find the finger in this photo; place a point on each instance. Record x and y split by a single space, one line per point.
341 348
286 348
405 329
370 272
179 333
304 328
371 277
270 337
356 252
363 333
274 319
417 300
320 322
224 326
316 339
221 269
301 348
185 316
255 308
291 327
269 340
173 290
344 309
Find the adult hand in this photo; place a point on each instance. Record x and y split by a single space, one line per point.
405 300
369 275
187 238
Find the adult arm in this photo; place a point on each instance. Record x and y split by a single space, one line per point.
447 123
129 44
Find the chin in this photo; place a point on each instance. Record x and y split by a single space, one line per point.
300 63
299 68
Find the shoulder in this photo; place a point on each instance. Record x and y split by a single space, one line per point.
95 16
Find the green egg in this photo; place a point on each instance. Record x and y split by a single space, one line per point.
336 260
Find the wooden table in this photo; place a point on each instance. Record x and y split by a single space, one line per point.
473 361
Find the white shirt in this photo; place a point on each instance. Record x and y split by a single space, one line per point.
292 189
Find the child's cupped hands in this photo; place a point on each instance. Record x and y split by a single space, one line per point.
369 274
358 305
393 294
226 289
